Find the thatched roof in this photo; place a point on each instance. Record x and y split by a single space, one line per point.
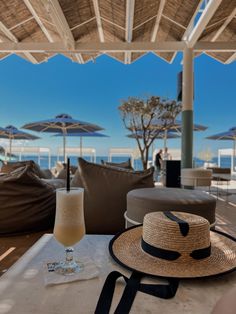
84 29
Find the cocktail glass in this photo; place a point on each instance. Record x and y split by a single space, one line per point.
69 227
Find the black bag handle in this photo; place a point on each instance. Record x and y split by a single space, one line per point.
164 291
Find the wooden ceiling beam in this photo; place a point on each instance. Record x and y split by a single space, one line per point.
231 59
92 47
158 20
13 39
57 15
82 24
54 9
190 26
204 19
99 21
79 58
38 20
21 23
112 23
129 24
225 24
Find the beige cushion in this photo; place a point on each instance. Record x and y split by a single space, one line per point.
27 203
73 169
196 177
62 174
76 180
55 182
142 201
11 166
105 194
47 174
124 164
59 166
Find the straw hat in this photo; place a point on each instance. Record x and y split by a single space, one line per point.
174 244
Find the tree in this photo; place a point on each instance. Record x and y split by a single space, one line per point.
146 118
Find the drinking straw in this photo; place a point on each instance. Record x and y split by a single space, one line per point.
68 175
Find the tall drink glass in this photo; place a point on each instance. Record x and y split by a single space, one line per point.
69 227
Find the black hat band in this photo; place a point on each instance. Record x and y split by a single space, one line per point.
173 255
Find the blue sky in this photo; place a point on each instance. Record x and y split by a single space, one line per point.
93 92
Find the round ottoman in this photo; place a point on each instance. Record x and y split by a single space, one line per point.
142 201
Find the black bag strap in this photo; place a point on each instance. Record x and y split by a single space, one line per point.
164 291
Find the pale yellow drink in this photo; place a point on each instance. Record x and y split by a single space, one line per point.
69 227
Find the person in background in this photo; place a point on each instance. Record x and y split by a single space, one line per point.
158 163
166 155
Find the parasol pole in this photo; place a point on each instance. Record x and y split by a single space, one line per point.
64 145
81 146
232 170
165 137
10 143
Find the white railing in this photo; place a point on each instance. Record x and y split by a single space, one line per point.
78 151
34 150
227 152
130 152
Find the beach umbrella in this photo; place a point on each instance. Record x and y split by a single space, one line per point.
175 127
162 135
64 124
229 135
12 133
81 135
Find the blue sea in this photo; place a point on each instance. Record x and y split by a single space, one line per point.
44 162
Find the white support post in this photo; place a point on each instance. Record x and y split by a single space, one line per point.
188 79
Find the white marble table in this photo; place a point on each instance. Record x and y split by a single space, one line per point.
22 289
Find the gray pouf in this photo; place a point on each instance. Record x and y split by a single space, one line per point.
142 201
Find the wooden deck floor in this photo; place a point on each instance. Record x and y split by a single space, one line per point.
11 248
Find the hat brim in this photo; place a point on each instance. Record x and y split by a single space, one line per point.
126 250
